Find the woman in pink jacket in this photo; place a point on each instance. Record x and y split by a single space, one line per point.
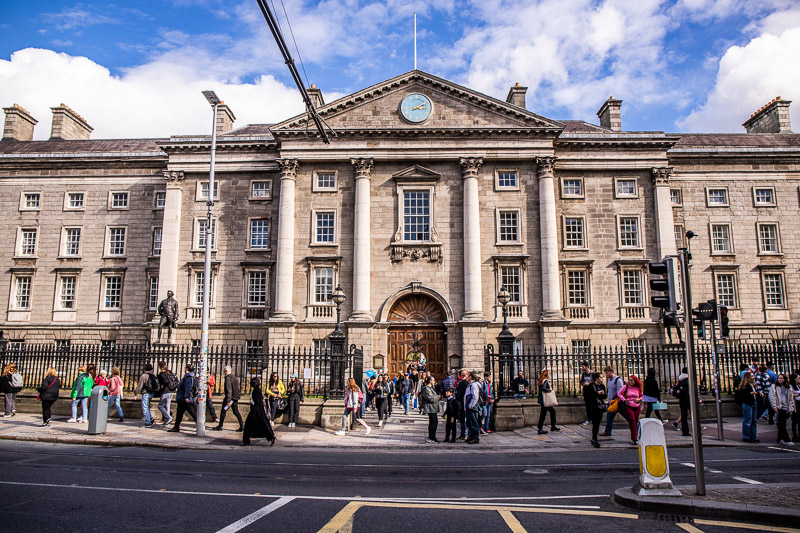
115 393
630 396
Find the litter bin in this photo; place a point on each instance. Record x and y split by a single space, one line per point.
98 410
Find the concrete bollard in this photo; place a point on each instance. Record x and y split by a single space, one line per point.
653 461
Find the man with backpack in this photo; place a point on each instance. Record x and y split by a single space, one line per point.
169 384
472 407
487 399
148 387
233 393
613 384
185 397
461 390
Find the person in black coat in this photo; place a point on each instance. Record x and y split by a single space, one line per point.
594 396
257 422
48 394
231 400
652 393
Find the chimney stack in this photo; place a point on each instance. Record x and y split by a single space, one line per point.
516 95
610 114
316 96
225 119
68 125
19 124
772 118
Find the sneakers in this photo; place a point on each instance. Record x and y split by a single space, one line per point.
148 425
340 432
47 423
785 443
72 421
367 431
431 441
584 423
81 419
483 432
121 420
9 415
271 423
675 425
380 423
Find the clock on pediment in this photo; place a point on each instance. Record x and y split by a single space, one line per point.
416 108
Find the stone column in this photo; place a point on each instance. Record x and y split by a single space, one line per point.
170 236
284 277
473 308
548 222
361 240
665 222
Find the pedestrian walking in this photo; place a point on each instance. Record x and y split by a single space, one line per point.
404 391
472 408
613 384
794 379
461 390
594 396
232 393
185 398
168 383
762 386
430 406
48 394
102 379
630 406
782 399
389 394
81 390
212 383
486 410
545 390
115 386
681 392
382 398
450 416
275 391
295 398
353 399
746 397
586 381
147 387
10 384
257 424
773 379
652 394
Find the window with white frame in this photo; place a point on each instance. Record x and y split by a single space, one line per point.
577 288
511 279
30 201
717 196
324 180
675 197
152 293
112 292
116 240
201 233
679 236
416 215
572 188
21 298
507 180
27 242
256 288
626 188
323 284
75 200
199 277
259 233
72 242
202 190
261 190
160 199
324 227
773 290
118 200
636 346
66 292
107 346
721 239
768 240
726 288
321 346
764 196
508 226
574 233
156 249
581 346
253 347
632 287
629 232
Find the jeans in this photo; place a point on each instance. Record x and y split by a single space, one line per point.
148 418
749 422
404 399
273 407
473 425
234 408
113 401
164 406
610 422
9 397
294 408
84 407
462 426
486 414
345 416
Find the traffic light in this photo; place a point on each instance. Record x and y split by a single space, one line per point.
666 285
701 328
724 326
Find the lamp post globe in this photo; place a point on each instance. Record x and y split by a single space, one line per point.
503 296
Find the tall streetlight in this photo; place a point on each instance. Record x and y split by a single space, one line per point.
214 100
505 342
337 336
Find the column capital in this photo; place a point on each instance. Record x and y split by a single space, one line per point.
546 166
470 166
661 175
362 166
288 167
173 178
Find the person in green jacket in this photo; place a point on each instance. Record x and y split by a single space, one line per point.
81 390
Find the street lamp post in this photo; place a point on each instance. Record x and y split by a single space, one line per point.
505 341
202 365
337 336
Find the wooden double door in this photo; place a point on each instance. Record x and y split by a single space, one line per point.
417 325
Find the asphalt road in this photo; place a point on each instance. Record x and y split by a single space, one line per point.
47 487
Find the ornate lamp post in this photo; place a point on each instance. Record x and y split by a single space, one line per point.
505 342
337 336
503 296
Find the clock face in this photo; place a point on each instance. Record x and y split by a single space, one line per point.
416 108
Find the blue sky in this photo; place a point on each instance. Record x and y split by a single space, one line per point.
136 69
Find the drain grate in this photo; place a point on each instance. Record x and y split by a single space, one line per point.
680 519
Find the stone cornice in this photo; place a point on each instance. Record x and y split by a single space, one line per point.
204 146
424 132
620 140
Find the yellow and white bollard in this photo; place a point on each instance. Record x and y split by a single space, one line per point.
653 461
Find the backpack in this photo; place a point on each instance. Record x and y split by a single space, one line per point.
152 386
172 382
737 380
675 390
16 381
483 399
195 384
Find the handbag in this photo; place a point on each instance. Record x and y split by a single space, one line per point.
549 399
613 406
282 404
660 406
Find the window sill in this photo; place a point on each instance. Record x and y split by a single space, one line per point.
30 210
774 314
69 257
257 250
22 257
572 197
710 206
323 244
109 315
268 199
254 313
579 313
64 315
506 189
202 250
118 209
630 249
509 243
19 315
575 249
195 314
634 313
123 257
770 254
74 209
723 254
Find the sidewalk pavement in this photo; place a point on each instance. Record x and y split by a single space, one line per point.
400 431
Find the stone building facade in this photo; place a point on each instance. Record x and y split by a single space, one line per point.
420 212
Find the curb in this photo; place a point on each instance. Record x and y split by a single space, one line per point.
687 505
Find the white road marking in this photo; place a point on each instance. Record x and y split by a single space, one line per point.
746 480
783 449
252 517
707 469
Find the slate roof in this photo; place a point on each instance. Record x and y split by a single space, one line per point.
739 140
105 146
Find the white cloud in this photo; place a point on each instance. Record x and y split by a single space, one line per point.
749 77
157 99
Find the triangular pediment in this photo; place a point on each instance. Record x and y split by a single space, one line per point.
416 173
456 109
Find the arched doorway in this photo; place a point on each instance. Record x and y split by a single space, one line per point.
417 325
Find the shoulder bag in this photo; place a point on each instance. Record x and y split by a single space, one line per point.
613 406
549 398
